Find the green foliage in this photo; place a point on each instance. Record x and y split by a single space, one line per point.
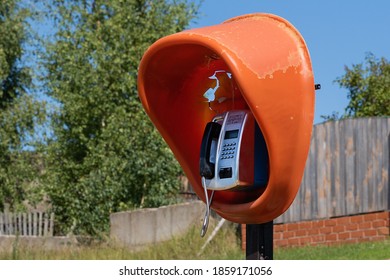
106 155
18 111
369 87
333 117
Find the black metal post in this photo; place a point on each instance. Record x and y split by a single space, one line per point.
259 241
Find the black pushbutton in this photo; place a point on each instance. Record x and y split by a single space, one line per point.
226 172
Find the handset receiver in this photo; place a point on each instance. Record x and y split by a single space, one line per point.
206 167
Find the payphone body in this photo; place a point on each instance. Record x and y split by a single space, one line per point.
227 153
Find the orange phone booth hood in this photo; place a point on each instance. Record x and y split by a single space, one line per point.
258 62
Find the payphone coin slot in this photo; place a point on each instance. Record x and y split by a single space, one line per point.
226 172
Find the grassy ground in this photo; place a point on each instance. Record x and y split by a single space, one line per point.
225 245
361 251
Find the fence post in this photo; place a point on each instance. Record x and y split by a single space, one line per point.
1 224
40 228
46 224
35 222
24 217
20 230
9 222
30 223
51 225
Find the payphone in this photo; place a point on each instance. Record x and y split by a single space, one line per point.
227 155
227 151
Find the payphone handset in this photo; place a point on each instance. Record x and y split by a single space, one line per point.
227 151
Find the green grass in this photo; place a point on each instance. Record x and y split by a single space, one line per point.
225 245
379 250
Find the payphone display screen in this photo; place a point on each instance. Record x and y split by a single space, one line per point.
231 134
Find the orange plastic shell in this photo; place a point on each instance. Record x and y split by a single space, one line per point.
271 75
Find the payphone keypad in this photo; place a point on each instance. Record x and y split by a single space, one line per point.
228 150
228 153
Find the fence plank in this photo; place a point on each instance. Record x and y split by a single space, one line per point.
46 225
5 228
308 199
24 217
337 189
362 158
30 221
51 227
35 223
40 222
19 222
2 224
384 196
9 222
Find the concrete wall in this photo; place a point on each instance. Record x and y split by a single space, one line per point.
149 226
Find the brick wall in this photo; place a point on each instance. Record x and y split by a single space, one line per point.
350 229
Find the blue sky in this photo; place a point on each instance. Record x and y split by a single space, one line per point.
337 33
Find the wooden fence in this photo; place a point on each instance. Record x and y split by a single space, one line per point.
27 224
347 171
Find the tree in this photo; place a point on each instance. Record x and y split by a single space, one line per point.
106 155
18 110
368 86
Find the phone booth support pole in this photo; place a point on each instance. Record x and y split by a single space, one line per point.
259 241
